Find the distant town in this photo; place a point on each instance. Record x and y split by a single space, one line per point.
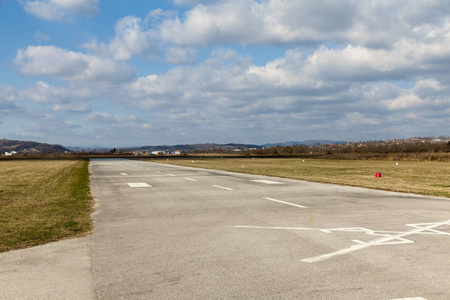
410 143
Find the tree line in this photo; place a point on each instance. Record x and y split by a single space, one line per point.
356 148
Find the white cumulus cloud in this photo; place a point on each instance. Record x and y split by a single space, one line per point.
131 38
54 62
192 2
72 107
178 55
274 22
102 117
8 100
59 10
43 92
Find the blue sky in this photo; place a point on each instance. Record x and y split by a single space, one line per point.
138 72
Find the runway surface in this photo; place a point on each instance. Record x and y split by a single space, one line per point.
171 232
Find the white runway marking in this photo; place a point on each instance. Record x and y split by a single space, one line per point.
282 228
171 175
387 239
190 179
284 202
413 298
222 187
124 174
138 184
267 181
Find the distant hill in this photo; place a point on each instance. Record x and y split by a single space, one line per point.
306 143
205 146
191 147
23 147
229 147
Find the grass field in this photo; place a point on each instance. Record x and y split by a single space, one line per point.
43 201
418 177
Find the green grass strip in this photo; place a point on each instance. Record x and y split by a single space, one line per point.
42 201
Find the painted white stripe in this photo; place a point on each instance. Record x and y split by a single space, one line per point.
383 240
340 252
413 298
284 202
170 175
222 187
190 179
158 171
124 174
282 228
138 184
267 181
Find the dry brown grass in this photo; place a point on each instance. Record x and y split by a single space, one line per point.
419 177
43 201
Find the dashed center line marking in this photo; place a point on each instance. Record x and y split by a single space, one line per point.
124 174
267 181
190 179
170 175
284 202
138 184
222 187
158 171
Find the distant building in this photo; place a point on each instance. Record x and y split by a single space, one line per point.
158 152
10 153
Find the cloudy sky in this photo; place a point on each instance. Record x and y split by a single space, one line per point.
115 73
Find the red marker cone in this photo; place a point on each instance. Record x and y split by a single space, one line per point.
377 174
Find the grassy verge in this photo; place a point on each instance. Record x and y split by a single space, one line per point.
43 201
418 177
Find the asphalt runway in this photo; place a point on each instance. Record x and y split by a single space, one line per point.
171 232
